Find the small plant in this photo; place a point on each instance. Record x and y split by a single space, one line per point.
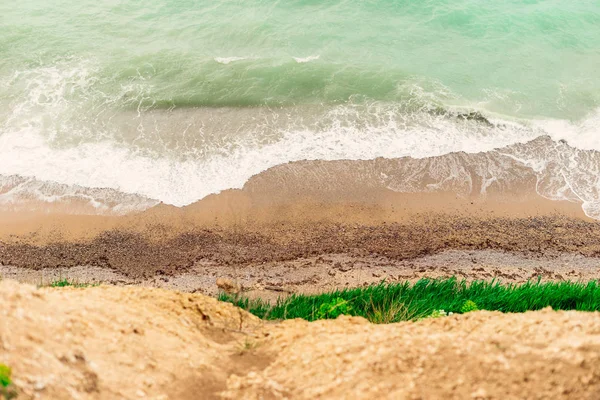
468 307
388 311
61 283
6 392
68 283
5 374
334 308
439 313
247 346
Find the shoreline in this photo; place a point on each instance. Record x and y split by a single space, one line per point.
316 209
499 182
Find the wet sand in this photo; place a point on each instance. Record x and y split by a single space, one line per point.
300 220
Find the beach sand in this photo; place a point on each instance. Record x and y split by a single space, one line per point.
310 226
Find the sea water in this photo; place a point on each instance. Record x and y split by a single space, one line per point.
173 100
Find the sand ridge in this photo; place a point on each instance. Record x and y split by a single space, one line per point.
132 343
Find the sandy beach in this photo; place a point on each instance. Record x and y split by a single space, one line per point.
310 226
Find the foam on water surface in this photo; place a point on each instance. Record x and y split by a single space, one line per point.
301 60
209 95
228 60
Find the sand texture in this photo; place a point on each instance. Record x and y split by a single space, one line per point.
132 343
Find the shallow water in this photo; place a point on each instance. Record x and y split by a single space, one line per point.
174 100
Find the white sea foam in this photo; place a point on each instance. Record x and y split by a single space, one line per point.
52 105
180 182
563 172
584 134
21 193
228 60
301 60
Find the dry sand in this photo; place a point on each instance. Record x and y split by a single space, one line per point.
133 343
317 274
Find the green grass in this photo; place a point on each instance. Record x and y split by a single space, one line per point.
7 392
5 375
68 283
393 302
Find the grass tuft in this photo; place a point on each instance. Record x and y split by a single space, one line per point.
468 307
393 302
68 283
247 346
7 392
388 311
5 375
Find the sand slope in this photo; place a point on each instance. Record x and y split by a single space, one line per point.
131 343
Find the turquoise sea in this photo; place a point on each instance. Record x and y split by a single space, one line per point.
177 99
